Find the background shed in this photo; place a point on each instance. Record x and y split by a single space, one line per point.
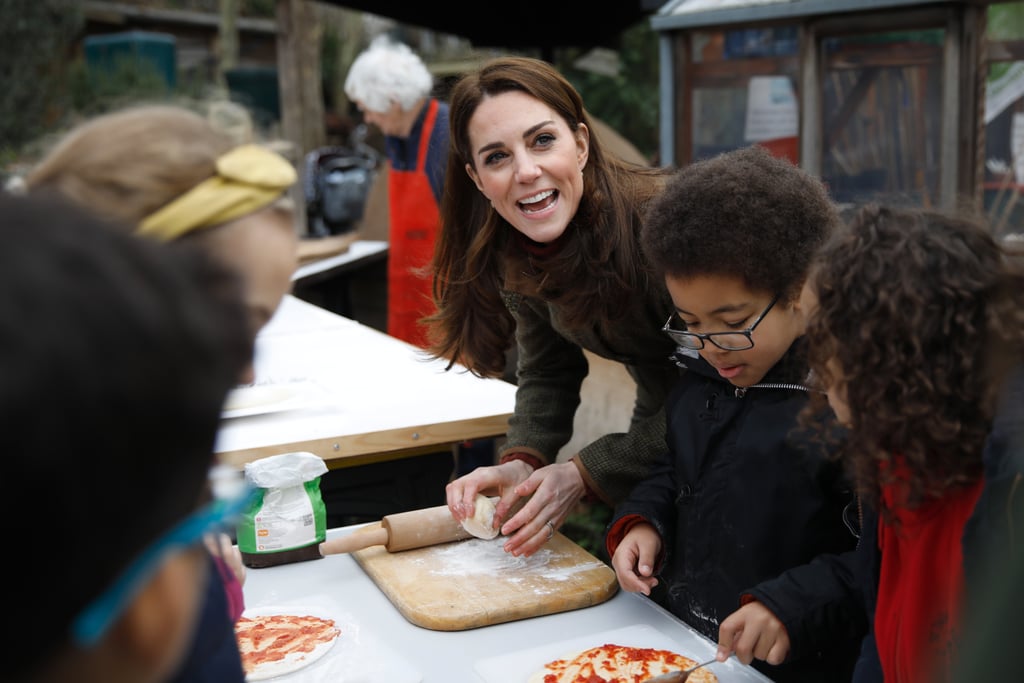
883 99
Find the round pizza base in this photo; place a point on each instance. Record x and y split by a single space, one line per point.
580 665
480 524
291 663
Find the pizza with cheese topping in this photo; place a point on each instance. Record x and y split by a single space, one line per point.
277 644
610 663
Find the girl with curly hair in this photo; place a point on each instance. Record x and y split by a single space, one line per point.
917 324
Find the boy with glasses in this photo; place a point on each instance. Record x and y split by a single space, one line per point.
116 355
742 494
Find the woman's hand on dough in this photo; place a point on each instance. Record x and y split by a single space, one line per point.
552 490
461 493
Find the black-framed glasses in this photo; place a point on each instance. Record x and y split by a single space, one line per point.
727 341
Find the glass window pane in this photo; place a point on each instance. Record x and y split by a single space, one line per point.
1004 147
718 115
744 91
881 117
745 43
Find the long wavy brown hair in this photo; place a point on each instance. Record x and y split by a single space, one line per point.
598 265
920 315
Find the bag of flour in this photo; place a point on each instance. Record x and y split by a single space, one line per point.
286 520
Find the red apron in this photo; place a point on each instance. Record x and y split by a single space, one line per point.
415 219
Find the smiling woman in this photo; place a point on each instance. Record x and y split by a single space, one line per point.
538 249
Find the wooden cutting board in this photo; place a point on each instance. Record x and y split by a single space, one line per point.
471 583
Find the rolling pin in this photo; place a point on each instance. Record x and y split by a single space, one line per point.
402 531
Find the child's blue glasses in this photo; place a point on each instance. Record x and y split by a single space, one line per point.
230 499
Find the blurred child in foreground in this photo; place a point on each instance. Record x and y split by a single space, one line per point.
166 173
116 355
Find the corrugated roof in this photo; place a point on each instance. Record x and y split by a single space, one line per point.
678 14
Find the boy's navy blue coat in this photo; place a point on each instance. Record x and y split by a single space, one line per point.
743 495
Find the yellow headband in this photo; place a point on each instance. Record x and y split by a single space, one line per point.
248 178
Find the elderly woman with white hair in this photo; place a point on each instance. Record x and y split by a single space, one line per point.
392 87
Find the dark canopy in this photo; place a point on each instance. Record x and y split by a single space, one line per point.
521 24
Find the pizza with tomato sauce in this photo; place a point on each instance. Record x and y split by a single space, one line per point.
277 644
611 663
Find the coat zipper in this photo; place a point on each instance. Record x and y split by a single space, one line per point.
742 391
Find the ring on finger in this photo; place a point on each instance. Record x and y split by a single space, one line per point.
551 529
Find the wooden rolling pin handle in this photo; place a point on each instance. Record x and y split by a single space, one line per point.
420 528
355 541
402 531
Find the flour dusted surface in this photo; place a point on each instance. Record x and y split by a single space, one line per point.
479 557
474 582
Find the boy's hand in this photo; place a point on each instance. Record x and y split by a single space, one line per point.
635 557
753 632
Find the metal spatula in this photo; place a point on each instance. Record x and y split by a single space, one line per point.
678 676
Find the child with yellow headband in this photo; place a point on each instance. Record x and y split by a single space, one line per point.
171 175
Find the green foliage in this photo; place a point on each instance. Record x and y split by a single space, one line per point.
586 524
93 91
45 86
1006 21
35 35
259 8
628 102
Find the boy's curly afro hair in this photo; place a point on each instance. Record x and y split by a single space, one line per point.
742 213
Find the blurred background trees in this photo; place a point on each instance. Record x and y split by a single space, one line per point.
50 82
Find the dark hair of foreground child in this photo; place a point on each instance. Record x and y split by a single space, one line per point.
116 355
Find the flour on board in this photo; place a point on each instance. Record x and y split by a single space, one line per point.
479 556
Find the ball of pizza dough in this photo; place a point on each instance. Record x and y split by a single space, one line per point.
483 517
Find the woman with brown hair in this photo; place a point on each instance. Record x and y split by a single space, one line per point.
538 249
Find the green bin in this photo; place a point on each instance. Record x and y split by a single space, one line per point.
256 87
105 51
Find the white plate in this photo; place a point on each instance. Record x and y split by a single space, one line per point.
357 656
272 397
518 666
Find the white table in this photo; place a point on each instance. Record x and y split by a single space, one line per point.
358 254
336 586
358 395
351 283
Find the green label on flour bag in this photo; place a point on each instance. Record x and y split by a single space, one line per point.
287 519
